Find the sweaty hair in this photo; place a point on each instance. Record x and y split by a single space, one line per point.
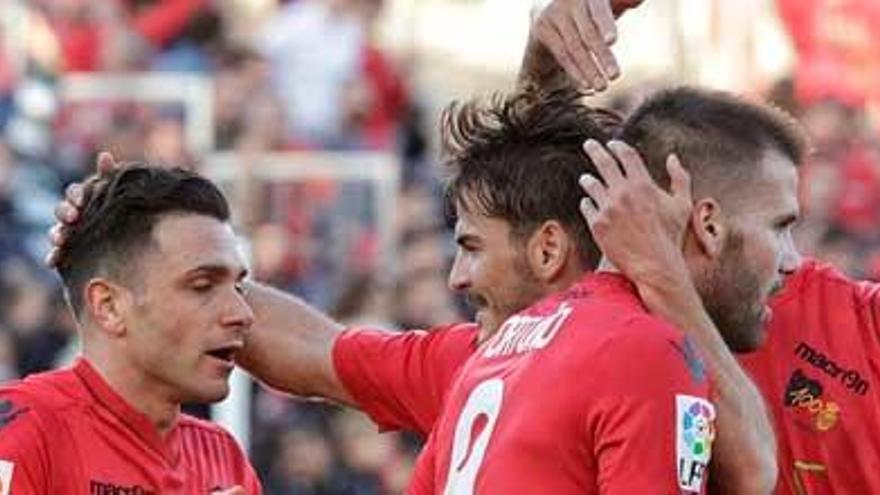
715 134
119 213
518 158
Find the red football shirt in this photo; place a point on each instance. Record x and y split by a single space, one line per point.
583 393
67 432
400 379
818 372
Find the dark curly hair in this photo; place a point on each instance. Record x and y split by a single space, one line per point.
518 158
116 222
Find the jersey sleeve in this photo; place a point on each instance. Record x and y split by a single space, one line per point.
24 448
400 378
868 300
247 474
648 418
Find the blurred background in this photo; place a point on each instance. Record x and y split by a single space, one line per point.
318 117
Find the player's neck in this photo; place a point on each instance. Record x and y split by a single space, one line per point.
139 390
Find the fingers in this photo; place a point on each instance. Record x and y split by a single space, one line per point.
584 42
75 193
557 44
605 163
106 162
630 160
52 257
680 179
66 213
596 191
589 212
601 18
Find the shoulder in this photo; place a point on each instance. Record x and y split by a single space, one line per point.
609 323
443 339
814 277
817 279
47 394
613 336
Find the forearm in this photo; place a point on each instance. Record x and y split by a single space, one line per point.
745 449
290 345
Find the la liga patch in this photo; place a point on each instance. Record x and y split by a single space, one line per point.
6 469
695 431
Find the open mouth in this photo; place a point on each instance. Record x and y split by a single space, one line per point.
226 353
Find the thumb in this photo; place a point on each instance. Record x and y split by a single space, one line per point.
106 162
680 179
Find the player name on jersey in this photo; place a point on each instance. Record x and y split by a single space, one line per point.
521 333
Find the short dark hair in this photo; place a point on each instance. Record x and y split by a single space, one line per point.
119 213
518 158
715 134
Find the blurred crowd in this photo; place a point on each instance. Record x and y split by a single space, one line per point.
298 75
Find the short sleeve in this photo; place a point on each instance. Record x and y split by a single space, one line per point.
24 454
868 299
649 421
400 378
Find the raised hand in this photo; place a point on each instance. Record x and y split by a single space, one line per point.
67 210
574 38
638 226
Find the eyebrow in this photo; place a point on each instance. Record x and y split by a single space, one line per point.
217 270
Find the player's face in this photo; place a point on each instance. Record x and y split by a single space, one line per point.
188 316
758 253
491 269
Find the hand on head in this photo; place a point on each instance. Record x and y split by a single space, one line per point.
68 209
638 226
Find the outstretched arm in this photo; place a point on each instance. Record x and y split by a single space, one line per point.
570 43
290 346
640 229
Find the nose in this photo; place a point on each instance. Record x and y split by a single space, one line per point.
790 257
239 313
459 279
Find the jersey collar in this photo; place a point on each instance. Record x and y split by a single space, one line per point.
124 412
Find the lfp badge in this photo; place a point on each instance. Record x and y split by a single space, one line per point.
695 431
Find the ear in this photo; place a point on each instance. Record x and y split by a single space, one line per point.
548 250
106 304
707 227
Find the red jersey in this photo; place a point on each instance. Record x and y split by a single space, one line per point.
583 393
400 379
68 433
818 371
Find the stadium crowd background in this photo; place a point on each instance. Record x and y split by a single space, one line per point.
286 77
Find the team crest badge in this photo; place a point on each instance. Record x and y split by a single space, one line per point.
695 431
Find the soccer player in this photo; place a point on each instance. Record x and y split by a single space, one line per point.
817 366
301 360
819 360
153 274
